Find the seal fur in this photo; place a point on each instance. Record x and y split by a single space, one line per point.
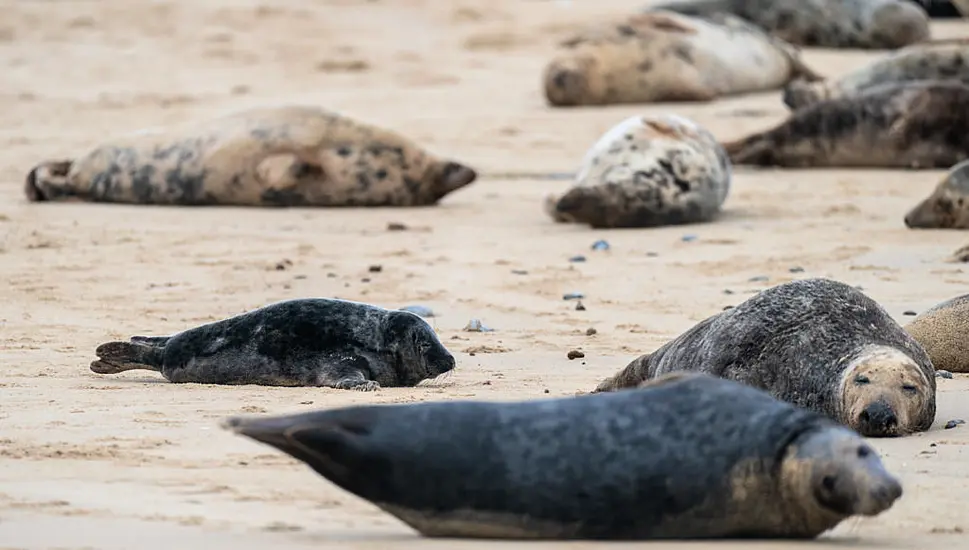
302 342
269 156
942 330
815 343
947 207
689 457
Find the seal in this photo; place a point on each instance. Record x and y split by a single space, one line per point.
712 459
942 330
815 343
919 124
647 171
656 57
936 60
302 342
948 205
854 24
944 9
269 156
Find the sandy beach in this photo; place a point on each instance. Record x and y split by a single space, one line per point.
132 461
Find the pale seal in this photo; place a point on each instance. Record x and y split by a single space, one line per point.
647 171
301 342
947 207
685 457
921 124
270 156
815 343
936 60
943 330
859 24
658 57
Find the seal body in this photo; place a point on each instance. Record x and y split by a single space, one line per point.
857 24
661 56
921 124
688 457
942 331
647 171
936 60
303 342
948 205
272 156
815 343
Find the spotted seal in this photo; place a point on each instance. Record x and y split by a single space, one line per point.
947 207
657 57
936 60
301 342
921 124
268 156
857 24
815 343
686 456
647 171
942 330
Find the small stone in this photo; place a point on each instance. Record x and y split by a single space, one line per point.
727 291
579 258
953 423
519 272
796 269
365 280
944 374
305 402
725 308
396 226
759 279
283 265
909 312
579 306
331 275
475 325
546 390
422 311
375 268
486 382
590 331
652 254
575 354
299 277
573 296
688 238
600 245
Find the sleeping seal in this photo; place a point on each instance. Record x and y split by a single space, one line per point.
303 342
688 456
943 330
647 171
815 343
268 156
948 205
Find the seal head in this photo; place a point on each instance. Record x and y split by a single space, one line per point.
948 205
420 354
942 332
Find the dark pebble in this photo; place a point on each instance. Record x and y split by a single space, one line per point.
573 296
578 258
953 423
519 272
365 280
688 238
944 374
727 291
299 277
725 308
796 269
331 275
579 306
575 354
652 254
909 312
759 279
396 226
600 245
546 391
375 268
590 331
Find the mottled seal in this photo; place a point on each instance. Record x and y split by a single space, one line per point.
943 331
268 156
948 205
936 60
921 124
301 342
859 24
659 57
815 343
688 456
647 171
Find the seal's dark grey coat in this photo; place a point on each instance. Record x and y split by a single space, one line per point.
304 342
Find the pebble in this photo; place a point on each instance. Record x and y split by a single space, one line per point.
796 269
420 310
953 423
688 238
519 272
727 291
575 354
725 308
600 245
759 279
909 312
573 296
590 331
475 325
652 254
579 258
944 374
396 226
579 306
375 268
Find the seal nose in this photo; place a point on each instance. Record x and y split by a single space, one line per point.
889 492
877 419
908 221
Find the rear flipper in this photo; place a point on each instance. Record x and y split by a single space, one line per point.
115 357
48 181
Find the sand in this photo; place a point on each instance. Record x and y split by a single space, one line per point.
131 461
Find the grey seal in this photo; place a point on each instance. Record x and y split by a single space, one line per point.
816 343
943 331
301 342
687 456
947 207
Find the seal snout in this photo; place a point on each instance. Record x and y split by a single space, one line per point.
877 419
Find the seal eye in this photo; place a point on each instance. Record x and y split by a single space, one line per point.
909 389
861 380
863 452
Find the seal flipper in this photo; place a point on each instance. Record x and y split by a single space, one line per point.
48 181
346 373
451 176
115 357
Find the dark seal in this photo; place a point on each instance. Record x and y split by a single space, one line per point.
947 207
305 342
689 456
815 343
942 330
921 124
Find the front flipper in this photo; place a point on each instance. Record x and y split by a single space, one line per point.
346 373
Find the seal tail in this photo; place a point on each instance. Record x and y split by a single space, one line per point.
115 357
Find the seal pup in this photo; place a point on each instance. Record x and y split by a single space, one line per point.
816 343
856 24
688 456
921 124
302 342
269 156
936 60
948 205
943 330
647 171
658 57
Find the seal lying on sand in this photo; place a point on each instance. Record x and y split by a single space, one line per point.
921 124
936 60
943 331
326 160
647 171
816 343
863 24
668 57
686 457
304 342
948 205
